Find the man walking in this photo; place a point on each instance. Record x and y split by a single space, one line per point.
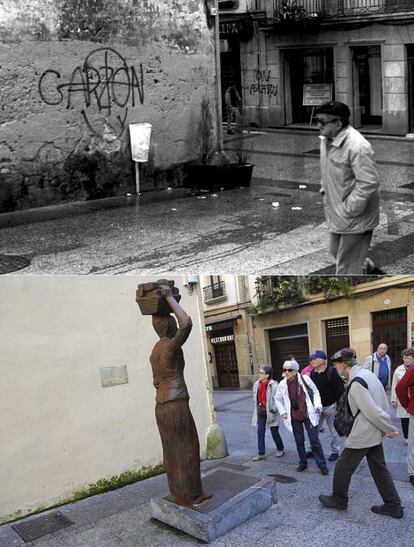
233 104
330 387
380 364
369 407
350 188
405 394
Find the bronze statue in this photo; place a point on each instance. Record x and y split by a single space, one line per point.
181 449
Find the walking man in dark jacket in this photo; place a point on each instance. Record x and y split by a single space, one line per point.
330 387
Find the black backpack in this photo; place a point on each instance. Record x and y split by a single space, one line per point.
344 420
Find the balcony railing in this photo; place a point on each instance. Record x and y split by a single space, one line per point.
214 291
289 10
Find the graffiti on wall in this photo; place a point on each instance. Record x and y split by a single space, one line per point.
104 83
262 85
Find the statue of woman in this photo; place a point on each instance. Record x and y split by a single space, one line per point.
181 449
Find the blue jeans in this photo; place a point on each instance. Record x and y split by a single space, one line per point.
315 443
261 430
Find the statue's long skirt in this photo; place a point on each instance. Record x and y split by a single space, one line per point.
181 450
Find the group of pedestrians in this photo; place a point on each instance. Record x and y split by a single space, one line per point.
318 395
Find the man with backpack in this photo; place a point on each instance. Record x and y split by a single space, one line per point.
330 387
368 406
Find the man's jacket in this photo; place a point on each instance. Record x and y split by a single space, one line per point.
372 364
349 183
373 419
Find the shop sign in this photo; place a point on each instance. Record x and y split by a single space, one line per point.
221 339
242 29
209 328
315 94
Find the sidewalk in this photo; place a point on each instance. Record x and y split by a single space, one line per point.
122 517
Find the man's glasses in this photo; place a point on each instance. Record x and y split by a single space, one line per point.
289 370
324 122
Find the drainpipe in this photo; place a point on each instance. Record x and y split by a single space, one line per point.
219 125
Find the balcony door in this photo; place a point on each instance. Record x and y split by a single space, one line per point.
410 57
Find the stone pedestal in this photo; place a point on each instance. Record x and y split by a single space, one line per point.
236 497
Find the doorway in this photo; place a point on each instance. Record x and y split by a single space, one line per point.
226 358
288 341
368 84
230 69
336 335
390 327
304 66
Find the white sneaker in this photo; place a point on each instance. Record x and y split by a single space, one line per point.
258 457
279 453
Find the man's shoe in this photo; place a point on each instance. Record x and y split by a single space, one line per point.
370 268
332 503
301 467
309 454
322 429
395 511
324 470
258 457
411 479
279 453
406 442
333 457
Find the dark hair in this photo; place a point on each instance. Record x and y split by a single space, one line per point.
409 352
268 369
345 122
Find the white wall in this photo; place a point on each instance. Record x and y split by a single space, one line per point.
60 429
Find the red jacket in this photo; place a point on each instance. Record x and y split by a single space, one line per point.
405 390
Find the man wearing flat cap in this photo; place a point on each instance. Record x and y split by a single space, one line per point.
350 188
369 407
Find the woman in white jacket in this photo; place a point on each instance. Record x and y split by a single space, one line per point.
265 414
299 404
408 358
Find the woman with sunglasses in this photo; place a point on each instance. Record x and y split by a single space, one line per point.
299 404
265 413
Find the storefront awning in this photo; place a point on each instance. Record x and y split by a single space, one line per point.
223 323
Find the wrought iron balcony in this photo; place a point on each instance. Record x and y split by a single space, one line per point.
301 10
215 290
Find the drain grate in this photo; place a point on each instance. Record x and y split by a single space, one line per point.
283 478
41 526
9 263
408 185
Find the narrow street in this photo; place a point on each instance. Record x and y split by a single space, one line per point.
122 518
276 225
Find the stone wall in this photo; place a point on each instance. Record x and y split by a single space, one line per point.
75 73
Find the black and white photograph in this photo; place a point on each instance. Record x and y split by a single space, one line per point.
206 273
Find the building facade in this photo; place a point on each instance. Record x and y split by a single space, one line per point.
360 52
376 311
75 74
226 305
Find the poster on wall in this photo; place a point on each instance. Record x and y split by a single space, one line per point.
316 94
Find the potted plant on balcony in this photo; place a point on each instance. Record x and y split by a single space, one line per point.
209 170
293 14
